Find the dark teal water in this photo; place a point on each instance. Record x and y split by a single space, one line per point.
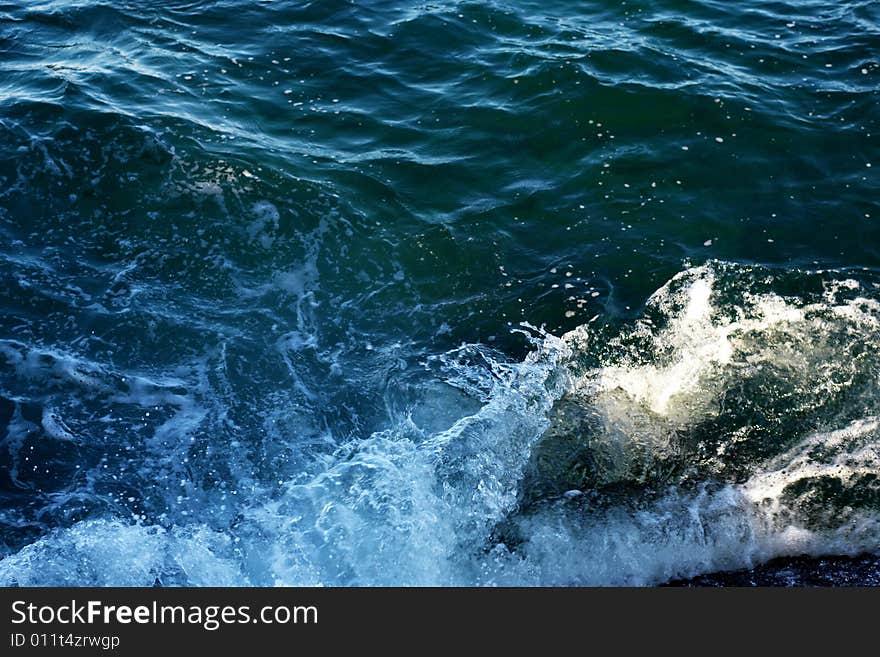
436 293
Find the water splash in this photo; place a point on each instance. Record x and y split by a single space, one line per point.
682 468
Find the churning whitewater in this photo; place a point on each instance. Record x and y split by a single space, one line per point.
736 420
468 292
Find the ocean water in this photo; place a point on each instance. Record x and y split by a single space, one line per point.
436 293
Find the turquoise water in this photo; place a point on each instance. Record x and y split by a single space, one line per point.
441 293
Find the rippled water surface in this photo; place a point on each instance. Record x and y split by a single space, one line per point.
436 293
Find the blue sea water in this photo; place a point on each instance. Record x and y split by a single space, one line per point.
436 293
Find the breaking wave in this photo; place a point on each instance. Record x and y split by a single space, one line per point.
734 421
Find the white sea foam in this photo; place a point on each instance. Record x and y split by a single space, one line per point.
422 501
115 553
